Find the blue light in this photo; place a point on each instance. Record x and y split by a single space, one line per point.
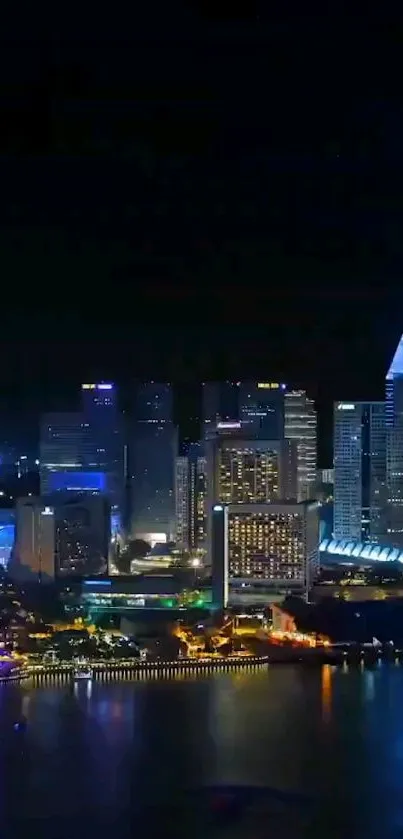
105 387
97 582
77 481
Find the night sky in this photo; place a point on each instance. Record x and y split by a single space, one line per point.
186 197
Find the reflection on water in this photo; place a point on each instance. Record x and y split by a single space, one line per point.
98 755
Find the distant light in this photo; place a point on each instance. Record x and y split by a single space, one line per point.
47 511
195 562
37 463
283 386
268 385
88 387
217 508
221 425
104 387
97 582
23 457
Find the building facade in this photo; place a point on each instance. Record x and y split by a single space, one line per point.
359 470
261 409
82 534
190 500
394 448
153 448
301 426
220 403
83 452
264 545
33 556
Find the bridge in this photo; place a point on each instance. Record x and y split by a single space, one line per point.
354 551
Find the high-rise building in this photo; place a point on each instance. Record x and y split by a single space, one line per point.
34 550
301 426
359 470
82 534
220 403
190 499
256 545
244 470
84 451
394 448
262 409
153 449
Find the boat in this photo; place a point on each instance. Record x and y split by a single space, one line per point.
82 671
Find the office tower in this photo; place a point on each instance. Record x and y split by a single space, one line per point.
82 533
325 476
300 424
256 545
7 536
242 470
359 470
60 451
394 448
103 445
220 403
190 499
34 549
262 409
84 451
153 449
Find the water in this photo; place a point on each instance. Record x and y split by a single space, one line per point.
116 756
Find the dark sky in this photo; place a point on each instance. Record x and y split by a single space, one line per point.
192 194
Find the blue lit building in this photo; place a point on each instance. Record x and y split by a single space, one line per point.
359 471
7 536
84 451
394 437
153 448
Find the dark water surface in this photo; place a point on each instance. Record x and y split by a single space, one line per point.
132 758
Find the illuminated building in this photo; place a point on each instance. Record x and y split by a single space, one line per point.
262 409
220 403
82 534
190 499
83 451
394 447
34 549
153 449
7 535
267 545
301 426
359 470
243 470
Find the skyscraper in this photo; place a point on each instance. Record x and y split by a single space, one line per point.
359 470
242 470
153 449
301 426
262 409
394 447
84 451
260 545
220 403
34 549
190 499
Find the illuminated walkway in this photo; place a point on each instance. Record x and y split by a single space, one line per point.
350 550
141 669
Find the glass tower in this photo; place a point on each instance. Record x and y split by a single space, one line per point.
394 447
262 409
359 470
153 449
301 426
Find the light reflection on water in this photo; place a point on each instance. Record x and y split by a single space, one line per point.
105 754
